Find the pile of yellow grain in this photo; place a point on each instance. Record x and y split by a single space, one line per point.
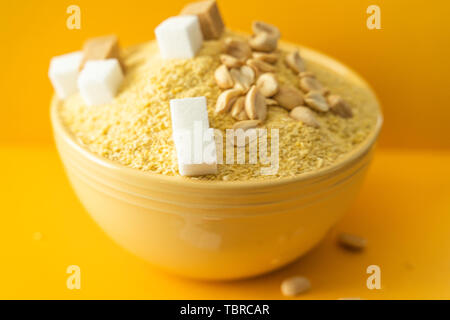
135 129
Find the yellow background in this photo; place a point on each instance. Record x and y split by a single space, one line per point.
404 207
406 62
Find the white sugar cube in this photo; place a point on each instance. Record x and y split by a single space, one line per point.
63 73
179 37
99 81
186 111
194 140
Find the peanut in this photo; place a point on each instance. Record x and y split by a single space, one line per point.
295 286
271 102
243 78
242 115
339 106
263 27
247 124
266 57
263 42
308 84
260 65
316 101
306 74
238 49
267 84
352 242
230 61
255 104
289 97
226 99
223 77
295 62
238 109
305 115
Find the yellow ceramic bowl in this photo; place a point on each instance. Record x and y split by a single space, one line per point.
215 230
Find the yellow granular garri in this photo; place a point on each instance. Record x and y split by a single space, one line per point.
135 129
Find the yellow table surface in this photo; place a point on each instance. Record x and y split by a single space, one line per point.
403 211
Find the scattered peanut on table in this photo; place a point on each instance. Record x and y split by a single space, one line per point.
294 286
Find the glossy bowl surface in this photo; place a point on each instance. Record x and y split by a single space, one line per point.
216 230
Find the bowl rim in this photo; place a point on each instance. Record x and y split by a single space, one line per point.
180 181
